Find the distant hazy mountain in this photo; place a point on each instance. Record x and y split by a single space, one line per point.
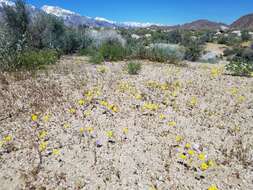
73 19
245 22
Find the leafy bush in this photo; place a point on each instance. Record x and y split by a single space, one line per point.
36 59
240 66
96 58
87 51
136 50
102 37
133 68
165 53
193 51
112 51
245 36
247 54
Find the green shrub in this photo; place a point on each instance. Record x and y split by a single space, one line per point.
245 36
36 59
165 53
87 51
133 68
96 58
112 51
193 51
240 66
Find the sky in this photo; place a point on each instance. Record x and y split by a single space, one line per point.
169 12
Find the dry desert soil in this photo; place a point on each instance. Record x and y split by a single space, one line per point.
81 126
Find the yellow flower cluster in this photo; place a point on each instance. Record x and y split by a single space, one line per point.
102 69
193 101
150 106
213 187
215 72
172 123
91 94
111 107
6 139
43 146
34 117
157 85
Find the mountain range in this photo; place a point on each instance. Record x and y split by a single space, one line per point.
74 19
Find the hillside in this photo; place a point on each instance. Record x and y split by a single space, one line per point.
245 22
203 24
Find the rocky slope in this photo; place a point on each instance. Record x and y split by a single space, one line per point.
245 22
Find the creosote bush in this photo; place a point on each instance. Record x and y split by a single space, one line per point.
38 58
165 53
133 68
112 51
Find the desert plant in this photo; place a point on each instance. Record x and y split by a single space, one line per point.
100 38
133 68
193 51
37 58
240 66
245 36
96 58
165 53
112 51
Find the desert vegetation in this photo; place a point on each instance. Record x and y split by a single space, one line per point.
123 108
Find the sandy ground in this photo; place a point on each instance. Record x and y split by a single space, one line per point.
218 49
96 127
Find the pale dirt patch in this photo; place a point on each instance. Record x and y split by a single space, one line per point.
218 125
215 48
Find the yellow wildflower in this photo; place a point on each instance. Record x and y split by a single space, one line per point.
109 134
56 152
187 145
72 110
241 99
202 156
104 103
66 126
215 72
193 101
7 138
125 130
172 124
234 91
42 134
102 69
114 108
211 163
204 166
191 152
251 74
162 116
138 96
87 113
81 102
213 187
46 118
81 130
174 94
43 146
183 156
179 138
90 129
150 106
1 143
34 117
